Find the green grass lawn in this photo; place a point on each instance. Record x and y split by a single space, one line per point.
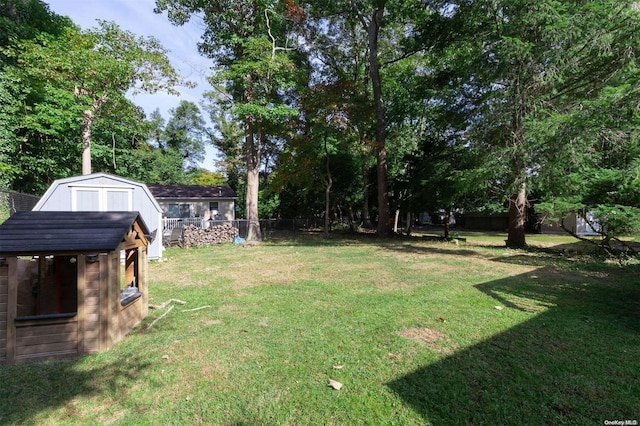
417 331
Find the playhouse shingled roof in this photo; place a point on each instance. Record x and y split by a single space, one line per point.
51 232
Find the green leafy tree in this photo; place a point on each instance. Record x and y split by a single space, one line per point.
208 178
249 43
602 178
97 68
185 132
20 20
341 86
27 19
319 163
525 65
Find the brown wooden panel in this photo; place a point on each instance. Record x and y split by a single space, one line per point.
131 311
47 348
91 302
93 268
91 317
91 346
4 298
93 280
92 292
128 323
91 328
51 338
92 332
12 308
43 356
45 330
130 316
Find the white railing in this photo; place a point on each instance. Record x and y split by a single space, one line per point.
170 222
241 225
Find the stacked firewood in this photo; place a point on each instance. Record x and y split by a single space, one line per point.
194 236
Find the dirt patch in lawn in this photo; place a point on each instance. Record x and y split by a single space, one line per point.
435 339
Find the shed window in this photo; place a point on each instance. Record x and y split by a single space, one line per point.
182 210
49 287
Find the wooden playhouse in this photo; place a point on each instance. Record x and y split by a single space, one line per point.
71 283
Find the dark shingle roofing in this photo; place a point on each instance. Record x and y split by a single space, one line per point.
50 232
191 191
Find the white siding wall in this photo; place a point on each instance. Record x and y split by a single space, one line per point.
102 192
200 208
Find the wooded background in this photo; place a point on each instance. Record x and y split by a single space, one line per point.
356 108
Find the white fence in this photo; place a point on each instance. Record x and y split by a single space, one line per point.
169 223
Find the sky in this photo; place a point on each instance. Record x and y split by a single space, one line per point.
137 16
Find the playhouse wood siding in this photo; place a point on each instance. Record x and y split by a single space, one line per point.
101 318
4 287
104 192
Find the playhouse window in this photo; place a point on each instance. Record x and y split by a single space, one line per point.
49 288
129 290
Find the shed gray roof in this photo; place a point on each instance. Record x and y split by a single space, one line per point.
191 191
50 232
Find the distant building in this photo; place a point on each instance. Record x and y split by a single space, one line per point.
195 201
575 223
102 192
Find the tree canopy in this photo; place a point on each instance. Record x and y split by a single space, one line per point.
346 109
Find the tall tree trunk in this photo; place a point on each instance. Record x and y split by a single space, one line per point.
409 223
517 218
384 226
88 116
366 215
395 221
352 227
447 220
327 192
252 147
87 124
372 27
518 202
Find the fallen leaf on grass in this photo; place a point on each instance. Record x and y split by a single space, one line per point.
335 385
499 308
442 319
338 367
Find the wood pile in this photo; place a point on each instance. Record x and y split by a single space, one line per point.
193 236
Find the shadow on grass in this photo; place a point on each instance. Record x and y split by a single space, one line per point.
574 363
400 243
414 243
29 388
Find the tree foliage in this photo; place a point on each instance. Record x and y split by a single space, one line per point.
256 68
317 105
523 75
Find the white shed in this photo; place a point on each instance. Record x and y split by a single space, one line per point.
103 192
